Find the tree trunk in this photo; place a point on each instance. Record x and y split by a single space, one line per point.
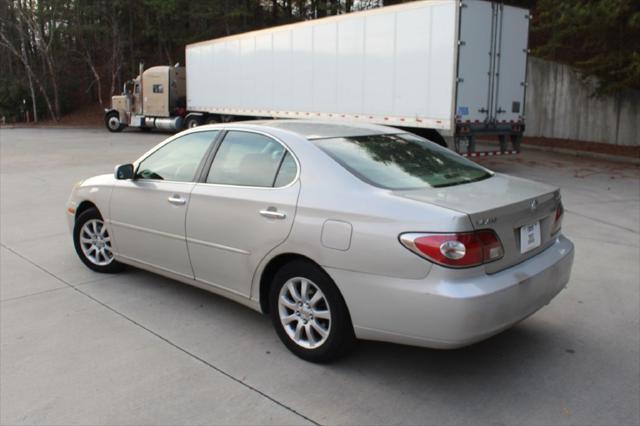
32 92
21 54
54 83
98 80
45 53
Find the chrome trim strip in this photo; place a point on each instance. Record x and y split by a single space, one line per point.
218 246
150 231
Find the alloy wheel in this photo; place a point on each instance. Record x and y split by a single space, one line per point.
304 312
95 242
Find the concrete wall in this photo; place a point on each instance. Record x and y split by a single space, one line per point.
559 105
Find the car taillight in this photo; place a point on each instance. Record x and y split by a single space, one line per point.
460 250
557 220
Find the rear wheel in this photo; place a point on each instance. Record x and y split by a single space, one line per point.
309 313
516 142
92 242
192 121
112 121
212 120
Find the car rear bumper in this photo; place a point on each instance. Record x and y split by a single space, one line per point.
453 308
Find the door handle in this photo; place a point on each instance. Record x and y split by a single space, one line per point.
177 200
273 214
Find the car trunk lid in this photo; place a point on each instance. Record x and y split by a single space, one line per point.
502 203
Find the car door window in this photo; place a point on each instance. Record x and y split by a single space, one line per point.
247 159
178 160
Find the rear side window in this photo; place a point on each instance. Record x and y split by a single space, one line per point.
287 172
250 159
402 161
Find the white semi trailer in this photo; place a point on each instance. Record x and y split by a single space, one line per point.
441 68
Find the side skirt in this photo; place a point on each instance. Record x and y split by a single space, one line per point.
252 304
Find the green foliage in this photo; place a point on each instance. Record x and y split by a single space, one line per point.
601 38
11 96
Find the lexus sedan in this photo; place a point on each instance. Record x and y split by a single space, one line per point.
337 231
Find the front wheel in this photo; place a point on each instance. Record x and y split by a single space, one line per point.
112 121
309 313
92 242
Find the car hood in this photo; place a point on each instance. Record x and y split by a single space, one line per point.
99 180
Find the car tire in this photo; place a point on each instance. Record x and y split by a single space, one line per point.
192 121
92 242
516 142
301 320
112 121
212 119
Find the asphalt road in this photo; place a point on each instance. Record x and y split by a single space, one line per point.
82 348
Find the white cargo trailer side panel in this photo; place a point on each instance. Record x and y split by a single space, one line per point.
394 65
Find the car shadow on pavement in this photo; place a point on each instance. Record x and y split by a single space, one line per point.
527 344
508 350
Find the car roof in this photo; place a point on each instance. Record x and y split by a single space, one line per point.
311 129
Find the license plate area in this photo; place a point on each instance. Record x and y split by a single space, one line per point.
529 237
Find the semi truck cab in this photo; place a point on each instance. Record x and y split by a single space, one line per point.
154 99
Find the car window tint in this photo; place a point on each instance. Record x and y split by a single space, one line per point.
246 159
287 172
179 159
402 161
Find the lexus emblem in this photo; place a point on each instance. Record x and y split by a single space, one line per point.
534 205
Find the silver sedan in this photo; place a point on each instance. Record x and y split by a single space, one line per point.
337 231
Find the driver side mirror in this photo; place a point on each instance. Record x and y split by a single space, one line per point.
124 171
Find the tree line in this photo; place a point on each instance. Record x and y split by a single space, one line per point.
59 55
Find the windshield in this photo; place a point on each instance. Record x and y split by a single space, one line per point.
402 161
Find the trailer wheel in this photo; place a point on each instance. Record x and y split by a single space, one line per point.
516 141
212 119
112 121
192 121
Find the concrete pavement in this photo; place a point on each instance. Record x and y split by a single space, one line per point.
83 348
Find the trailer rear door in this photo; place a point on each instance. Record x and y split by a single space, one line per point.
474 61
511 64
492 60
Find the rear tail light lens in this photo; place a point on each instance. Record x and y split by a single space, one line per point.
460 250
557 220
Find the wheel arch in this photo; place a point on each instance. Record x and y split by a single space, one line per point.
83 207
109 111
198 117
270 270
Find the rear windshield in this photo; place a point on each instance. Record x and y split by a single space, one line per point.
401 161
